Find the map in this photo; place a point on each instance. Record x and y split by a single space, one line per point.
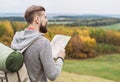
58 43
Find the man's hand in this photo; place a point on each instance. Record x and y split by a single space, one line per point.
62 53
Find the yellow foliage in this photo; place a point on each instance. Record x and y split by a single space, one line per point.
6 40
19 25
82 55
8 28
84 32
89 42
6 36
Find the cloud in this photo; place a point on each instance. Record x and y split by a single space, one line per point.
16 5
64 6
83 6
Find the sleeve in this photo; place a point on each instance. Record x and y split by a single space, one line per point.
52 69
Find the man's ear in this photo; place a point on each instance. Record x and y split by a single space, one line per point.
37 19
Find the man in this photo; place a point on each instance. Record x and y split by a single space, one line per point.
38 57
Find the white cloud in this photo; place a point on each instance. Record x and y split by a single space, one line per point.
15 5
64 6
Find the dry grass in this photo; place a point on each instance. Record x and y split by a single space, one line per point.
72 77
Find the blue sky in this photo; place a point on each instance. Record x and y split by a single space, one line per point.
63 6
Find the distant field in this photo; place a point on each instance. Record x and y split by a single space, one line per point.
107 67
112 27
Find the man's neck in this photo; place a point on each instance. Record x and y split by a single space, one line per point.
33 27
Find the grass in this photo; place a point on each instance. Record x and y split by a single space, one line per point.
112 27
72 77
107 67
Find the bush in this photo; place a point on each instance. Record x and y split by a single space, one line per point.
106 36
81 47
105 48
6 32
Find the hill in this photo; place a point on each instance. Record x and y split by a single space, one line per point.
12 18
106 66
73 77
112 27
81 17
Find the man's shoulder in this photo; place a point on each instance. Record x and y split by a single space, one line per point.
44 40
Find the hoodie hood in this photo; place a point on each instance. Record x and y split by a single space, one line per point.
22 39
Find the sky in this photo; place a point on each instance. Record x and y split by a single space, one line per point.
63 6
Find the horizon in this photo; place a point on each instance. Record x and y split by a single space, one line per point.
51 15
61 13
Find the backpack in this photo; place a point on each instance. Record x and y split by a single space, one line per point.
10 60
12 67
20 76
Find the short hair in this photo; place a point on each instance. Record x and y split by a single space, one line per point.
31 11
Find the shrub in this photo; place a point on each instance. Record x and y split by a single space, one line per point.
106 48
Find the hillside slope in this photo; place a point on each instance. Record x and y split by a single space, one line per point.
72 77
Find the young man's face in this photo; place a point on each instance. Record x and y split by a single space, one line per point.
43 23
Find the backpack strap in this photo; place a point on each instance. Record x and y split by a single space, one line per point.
18 76
2 76
1 80
6 77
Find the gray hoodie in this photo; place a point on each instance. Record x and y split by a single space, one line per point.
38 57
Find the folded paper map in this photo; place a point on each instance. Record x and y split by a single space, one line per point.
58 43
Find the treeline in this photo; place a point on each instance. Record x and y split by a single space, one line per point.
95 22
85 42
81 17
12 18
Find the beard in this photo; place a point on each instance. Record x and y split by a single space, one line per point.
43 29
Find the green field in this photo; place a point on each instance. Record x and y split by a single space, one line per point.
107 67
112 27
